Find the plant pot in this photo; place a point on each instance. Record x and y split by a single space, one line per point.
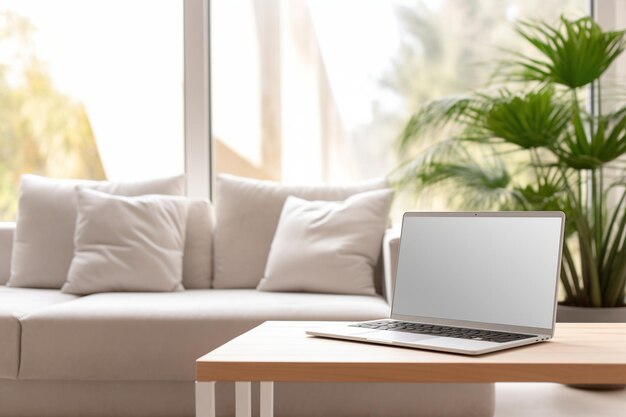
573 314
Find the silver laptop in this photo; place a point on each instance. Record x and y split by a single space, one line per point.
470 283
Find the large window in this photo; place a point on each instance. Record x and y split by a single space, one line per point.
90 89
318 90
311 91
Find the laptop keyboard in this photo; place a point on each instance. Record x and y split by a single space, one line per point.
444 331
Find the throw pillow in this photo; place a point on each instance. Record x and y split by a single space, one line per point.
247 212
328 247
44 234
127 243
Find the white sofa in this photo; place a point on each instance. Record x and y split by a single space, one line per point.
133 354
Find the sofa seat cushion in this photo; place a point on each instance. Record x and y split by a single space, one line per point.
158 336
15 303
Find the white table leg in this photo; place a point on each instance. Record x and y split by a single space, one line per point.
205 399
267 399
243 399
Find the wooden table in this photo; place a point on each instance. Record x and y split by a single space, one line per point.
589 353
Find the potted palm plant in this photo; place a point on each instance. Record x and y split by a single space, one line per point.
538 142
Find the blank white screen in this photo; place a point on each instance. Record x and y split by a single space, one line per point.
487 269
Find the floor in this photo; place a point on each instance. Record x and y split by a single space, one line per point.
554 400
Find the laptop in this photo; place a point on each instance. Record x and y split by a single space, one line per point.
469 283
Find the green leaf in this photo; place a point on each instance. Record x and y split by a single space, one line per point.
529 120
583 151
433 115
574 54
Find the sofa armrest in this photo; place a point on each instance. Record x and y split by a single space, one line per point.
7 230
391 245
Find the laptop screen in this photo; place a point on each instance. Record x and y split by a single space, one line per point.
480 268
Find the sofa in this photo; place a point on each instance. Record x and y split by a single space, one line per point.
133 354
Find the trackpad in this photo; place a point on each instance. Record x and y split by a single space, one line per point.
391 336
453 343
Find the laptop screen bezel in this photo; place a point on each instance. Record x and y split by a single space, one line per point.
485 325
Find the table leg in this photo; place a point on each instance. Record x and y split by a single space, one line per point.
243 399
205 399
267 399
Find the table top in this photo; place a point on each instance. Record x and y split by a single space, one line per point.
584 353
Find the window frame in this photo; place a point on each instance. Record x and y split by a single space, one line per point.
197 93
198 135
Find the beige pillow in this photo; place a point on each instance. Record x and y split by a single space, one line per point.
328 247
127 243
247 212
44 234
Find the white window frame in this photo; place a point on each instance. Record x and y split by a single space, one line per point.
198 166
197 98
610 14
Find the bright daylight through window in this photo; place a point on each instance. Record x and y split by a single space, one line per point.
89 89
318 91
302 91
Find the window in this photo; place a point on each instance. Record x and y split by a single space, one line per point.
90 90
318 90
302 90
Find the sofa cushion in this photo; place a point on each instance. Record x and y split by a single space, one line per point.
15 303
127 243
158 336
6 247
247 212
44 235
198 256
328 246
197 259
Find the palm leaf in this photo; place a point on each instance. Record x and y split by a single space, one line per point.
587 151
529 120
574 55
546 193
433 115
479 186
450 165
